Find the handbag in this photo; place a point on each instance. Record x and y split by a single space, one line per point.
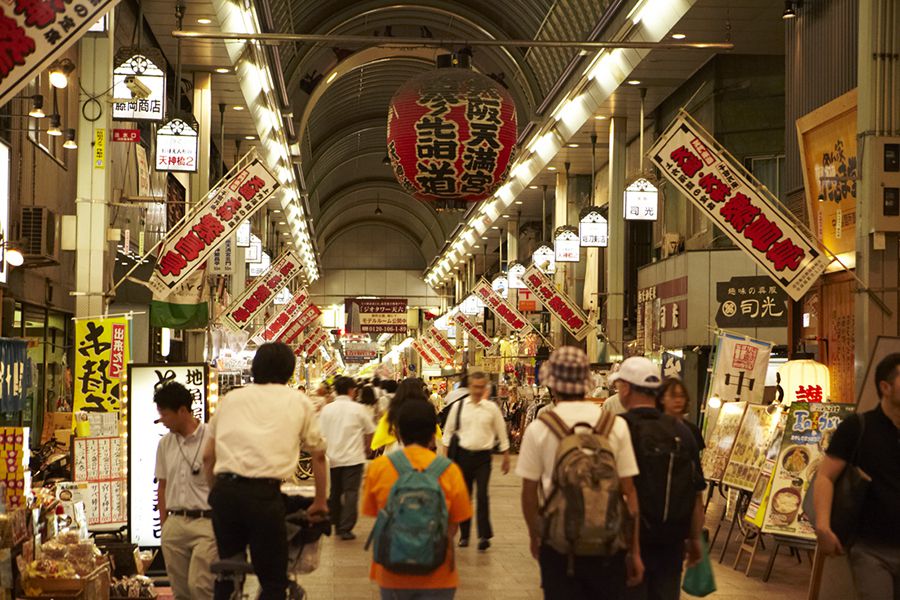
699 580
453 448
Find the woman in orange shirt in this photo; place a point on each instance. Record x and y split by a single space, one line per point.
416 424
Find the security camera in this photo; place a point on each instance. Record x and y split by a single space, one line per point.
138 89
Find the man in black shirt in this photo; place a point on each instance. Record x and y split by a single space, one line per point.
875 556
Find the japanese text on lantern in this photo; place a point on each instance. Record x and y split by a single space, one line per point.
101 353
437 140
571 316
733 200
257 296
483 146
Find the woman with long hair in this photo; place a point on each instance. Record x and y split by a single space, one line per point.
674 400
411 389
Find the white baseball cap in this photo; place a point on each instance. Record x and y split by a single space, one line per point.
639 371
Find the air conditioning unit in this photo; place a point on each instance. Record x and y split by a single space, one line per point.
39 235
673 243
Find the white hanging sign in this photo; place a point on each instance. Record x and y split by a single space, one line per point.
593 230
566 246
177 144
641 201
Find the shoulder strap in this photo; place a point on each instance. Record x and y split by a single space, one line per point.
401 462
554 423
459 407
605 423
438 466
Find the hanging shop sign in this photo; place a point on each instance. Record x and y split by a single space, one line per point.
641 201
310 313
514 276
672 366
500 307
441 340
312 342
748 454
735 201
472 305
475 332
593 229
242 235
186 247
144 434
437 356
544 258
751 302
360 352
15 374
139 85
222 262
527 301
451 135
101 355
273 328
254 252
261 266
500 284
566 245
376 315
560 306
177 144
261 291
132 136
99 478
804 380
720 442
739 371
420 350
807 433
36 34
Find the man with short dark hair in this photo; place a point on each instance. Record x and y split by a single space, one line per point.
255 441
870 441
188 542
348 427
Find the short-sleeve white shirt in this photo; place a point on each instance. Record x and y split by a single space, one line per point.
538 450
345 423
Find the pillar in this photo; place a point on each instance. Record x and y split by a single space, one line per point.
615 253
560 218
94 185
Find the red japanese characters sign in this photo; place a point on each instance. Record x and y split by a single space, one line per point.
261 291
126 135
376 315
437 357
421 351
188 245
560 306
735 201
500 307
311 342
117 351
739 370
275 325
35 33
475 332
293 331
441 340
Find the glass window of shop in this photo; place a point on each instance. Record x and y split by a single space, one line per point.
49 336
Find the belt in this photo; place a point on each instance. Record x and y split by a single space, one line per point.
241 478
191 514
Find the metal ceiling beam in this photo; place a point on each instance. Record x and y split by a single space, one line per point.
375 40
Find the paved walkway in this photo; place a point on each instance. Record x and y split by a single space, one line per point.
507 571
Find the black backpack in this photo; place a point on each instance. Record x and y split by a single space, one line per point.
666 485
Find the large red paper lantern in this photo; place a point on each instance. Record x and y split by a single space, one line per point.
451 134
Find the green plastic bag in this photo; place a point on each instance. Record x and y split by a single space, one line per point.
699 580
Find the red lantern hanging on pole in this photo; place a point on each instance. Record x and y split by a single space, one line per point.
451 134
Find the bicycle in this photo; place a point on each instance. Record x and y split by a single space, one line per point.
304 467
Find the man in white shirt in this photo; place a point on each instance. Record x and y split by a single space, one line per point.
479 427
188 542
567 374
348 427
255 441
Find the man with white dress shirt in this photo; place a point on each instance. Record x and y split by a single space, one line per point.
188 542
479 425
254 444
348 428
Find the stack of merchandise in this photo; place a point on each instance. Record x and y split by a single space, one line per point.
14 474
136 586
68 563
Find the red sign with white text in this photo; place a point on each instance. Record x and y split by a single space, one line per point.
274 326
309 314
421 351
475 332
257 296
126 135
442 341
500 307
559 305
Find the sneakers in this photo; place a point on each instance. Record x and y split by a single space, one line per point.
463 542
347 536
483 544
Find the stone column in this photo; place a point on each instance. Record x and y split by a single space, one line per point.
615 253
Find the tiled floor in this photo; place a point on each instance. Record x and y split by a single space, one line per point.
507 570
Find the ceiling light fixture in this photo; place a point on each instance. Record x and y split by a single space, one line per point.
59 73
551 168
223 70
331 78
237 107
378 210
70 143
204 21
37 107
790 10
600 118
634 82
519 202
678 36
249 137
532 187
54 129
572 145
14 257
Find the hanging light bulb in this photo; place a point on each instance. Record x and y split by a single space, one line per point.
37 107
378 210
59 73
14 257
70 143
54 129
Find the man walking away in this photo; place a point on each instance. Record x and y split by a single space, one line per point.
479 425
188 543
416 423
255 441
871 442
670 483
348 428
574 456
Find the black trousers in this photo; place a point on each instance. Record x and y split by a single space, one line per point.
476 468
595 577
663 564
343 500
251 513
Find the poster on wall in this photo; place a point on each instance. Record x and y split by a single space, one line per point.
101 357
35 35
144 435
721 441
261 291
236 197
753 301
828 157
748 453
694 163
97 469
376 315
807 433
739 370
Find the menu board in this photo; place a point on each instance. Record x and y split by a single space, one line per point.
718 447
807 433
759 499
98 463
749 451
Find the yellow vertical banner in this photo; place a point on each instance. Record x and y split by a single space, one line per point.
101 359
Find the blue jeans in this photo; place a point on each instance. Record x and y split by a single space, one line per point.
442 594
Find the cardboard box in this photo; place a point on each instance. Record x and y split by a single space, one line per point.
94 587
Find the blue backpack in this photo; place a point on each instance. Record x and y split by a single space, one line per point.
410 533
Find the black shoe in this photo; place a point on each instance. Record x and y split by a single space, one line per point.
347 536
483 544
463 542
